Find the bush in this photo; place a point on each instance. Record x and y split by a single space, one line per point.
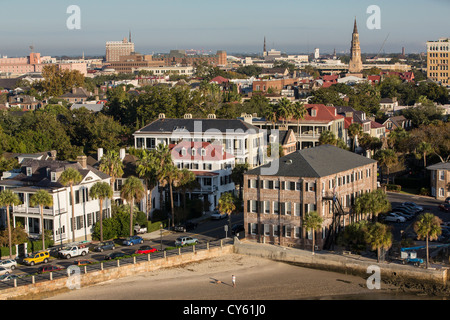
393 187
424 192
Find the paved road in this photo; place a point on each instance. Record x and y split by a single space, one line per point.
207 230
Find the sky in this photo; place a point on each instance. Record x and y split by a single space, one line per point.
237 26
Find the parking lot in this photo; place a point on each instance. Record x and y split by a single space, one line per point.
208 232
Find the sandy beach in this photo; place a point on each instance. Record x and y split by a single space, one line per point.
256 279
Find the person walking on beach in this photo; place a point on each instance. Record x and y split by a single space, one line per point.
233 280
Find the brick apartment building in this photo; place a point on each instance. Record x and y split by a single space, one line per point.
306 180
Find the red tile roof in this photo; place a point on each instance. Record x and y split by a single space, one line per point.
219 80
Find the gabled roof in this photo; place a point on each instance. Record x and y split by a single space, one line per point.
41 168
440 166
321 161
194 125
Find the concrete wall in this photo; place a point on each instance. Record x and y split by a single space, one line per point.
348 264
113 273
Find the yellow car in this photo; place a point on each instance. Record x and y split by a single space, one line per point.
37 257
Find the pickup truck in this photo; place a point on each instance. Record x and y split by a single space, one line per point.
73 251
139 229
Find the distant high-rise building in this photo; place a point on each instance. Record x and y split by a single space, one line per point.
116 49
316 53
355 65
438 61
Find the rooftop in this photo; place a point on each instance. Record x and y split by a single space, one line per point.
321 161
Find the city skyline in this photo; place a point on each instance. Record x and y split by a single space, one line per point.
291 26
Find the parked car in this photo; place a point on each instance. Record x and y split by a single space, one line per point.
182 241
405 210
37 257
394 217
447 200
187 226
49 268
8 276
82 262
4 270
413 205
139 229
73 251
106 245
216 215
407 216
444 207
8 263
133 240
145 250
114 255
236 228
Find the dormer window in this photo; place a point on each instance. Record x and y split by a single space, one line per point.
193 152
183 151
53 176
29 171
203 152
313 112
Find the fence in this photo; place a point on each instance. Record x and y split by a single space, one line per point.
115 263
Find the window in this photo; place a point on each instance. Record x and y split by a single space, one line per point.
287 231
441 192
253 228
276 230
79 222
276 207
266 206
267 230
288 208
311 186
442 175
297 232
252 206
297 209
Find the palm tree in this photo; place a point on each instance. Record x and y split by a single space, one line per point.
70 177
312 221
226 205
187 182
378 236
428 227
271 114
354 131
112 165
424 148
172 179
147 168
132 190
7 199
327 137
299 112
42 199
237 175
387 158
285 109
101 191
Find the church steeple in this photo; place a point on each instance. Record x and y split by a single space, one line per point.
355 27
355 65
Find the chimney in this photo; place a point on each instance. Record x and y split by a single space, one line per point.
99 154
82 160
